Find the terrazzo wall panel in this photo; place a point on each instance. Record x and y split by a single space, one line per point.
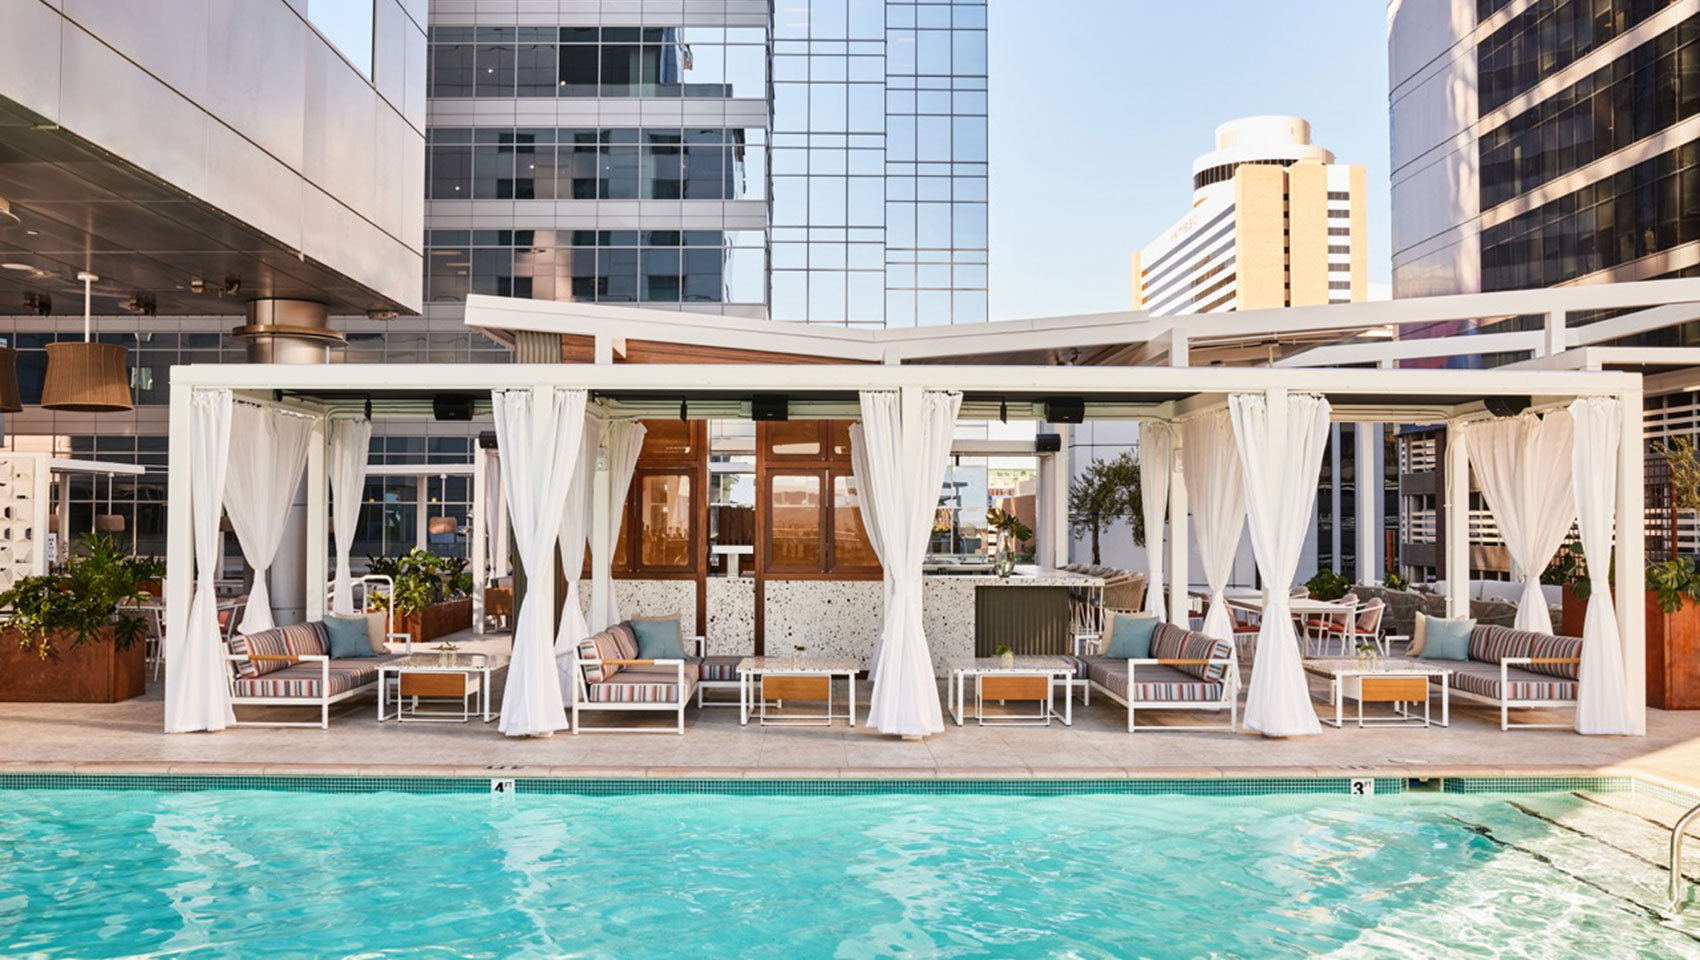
731 615
651 598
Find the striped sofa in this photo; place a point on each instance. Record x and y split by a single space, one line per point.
608 675
1518 669
290 666
1186 671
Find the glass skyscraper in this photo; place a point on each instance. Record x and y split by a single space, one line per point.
814 161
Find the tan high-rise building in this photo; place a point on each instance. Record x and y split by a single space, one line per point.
1275 222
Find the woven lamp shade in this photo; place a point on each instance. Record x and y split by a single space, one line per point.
436 526
9 402
86 378
109 522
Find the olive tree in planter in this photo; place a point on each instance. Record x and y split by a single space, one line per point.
67 637
432 595
1106 491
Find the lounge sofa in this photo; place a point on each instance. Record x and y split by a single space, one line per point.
1186 671
1518 670
290 666
609 676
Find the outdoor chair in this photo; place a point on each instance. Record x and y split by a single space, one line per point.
1186 671
608 675
290 666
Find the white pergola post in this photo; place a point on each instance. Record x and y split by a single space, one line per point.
1180 606
420 512
478 549
318 517
1367 467
1631 557
179 532
1457 535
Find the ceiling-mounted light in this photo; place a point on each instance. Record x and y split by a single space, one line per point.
8 219
86 377
20 267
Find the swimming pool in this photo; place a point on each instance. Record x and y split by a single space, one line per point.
97 872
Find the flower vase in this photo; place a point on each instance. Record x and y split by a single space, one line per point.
1006 557
1008 658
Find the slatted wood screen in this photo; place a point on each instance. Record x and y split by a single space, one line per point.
1028 620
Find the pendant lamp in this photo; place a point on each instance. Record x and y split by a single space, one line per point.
86 377
9 399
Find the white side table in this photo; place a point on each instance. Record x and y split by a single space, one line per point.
764 680
1023 678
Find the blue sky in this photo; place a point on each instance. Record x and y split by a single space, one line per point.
1098 108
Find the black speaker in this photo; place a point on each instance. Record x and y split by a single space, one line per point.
452 406
1047 442
1505 406
1065 410
770 406
487 440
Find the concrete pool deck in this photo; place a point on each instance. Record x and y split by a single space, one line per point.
127 738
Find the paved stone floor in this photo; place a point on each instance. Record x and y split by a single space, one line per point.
127 736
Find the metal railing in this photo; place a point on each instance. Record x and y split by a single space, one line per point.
1677 835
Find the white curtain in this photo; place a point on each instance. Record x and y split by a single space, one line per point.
197 696
1217 494
859 469
540 433
1156 458
1600 705
1280 439
1523 467
575 525
350 442
268 451
906 450
622 440
495 516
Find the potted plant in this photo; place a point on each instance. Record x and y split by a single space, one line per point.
1011 533
1328 585
1106 491
430 596
68 638
1005 654
1672 609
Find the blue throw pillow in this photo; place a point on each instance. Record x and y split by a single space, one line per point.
659 638
345 637
1130 637
1447 639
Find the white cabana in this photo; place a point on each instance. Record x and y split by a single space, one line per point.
268 451
196 695
907 436
1600 704
540 432
1523 465
1280 438
351 442
622 441
1156 462
1213 482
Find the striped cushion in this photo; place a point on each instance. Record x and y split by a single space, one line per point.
645 685
720 668
1523 686
625 638
1491 644
1547 646
1169 642
303 680
597 647
295 639
1155 684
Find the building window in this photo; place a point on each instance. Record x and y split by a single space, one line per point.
661 532
812 522
532 62
1546 37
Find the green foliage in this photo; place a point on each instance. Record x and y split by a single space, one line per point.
421 578
1394 581
1328 585
1009 525
1674 581
1106 491
82 598
1684 466
1567 567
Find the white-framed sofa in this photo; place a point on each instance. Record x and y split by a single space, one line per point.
609 676
1518 670
1186 671
290 666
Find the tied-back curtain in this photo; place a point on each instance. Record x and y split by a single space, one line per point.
906 448
1280 439
1523 466
1216 492
1600 704
540 433
1156 459
859 470
197 695
268 451
575 526
350 443
622 441
495 517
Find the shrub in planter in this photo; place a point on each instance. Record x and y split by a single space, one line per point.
1328 585
431 596
71 622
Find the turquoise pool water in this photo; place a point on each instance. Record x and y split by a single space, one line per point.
89 873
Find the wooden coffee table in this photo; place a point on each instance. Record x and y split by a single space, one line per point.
438 676
767 680
1392 680
1024 679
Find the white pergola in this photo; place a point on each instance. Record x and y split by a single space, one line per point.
1170 394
